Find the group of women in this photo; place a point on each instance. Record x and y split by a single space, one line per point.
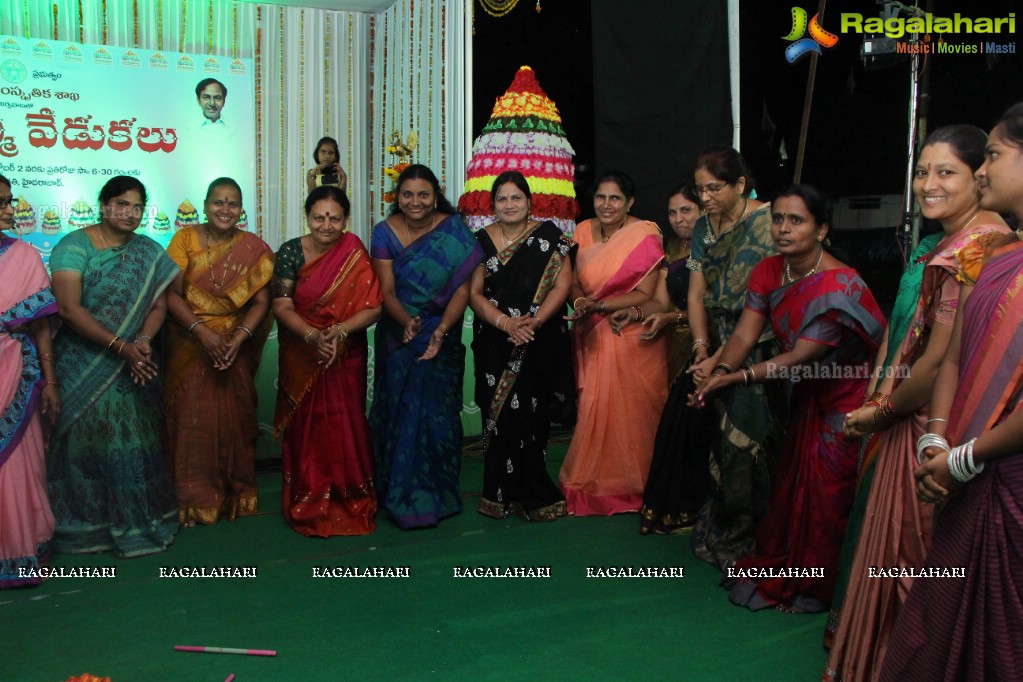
682 347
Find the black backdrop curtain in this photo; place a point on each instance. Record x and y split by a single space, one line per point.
661 92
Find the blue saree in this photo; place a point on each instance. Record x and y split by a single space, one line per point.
108 483
417 430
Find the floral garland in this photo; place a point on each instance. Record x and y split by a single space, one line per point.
404 153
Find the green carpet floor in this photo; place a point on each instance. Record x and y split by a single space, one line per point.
430 626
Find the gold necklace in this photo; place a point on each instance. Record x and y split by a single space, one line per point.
227 263
124 256
711 237
504 236
605 237
788 268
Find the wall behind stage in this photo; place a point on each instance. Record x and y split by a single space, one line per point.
72 116
356 77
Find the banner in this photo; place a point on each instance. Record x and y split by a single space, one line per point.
72 116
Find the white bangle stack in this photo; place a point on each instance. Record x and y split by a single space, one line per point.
930 440
960 462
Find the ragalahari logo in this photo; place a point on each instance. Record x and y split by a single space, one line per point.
801 46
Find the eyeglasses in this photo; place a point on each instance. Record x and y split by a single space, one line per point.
6 201
710 189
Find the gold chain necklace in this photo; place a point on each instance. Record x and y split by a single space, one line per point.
711 237
124 256
504 237
227 263
604 238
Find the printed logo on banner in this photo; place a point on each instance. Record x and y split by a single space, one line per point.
72 53
131 59
802 46
211 65
102 57
158 61
237 68
42 50
13 70
185 63
10 48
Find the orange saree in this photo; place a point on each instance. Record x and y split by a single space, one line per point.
210 431
622 379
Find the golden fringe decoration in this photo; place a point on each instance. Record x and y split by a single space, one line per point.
443 98
283 183
383 104
234 32
81 23
351 98
428 152
259 121
56 35
499 8
159 25
372 95
184 25
326 78
211 28
301 93
135 20
104 22
25 6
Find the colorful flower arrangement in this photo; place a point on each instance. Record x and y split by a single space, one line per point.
403 150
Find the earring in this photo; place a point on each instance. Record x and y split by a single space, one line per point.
820 237
435 206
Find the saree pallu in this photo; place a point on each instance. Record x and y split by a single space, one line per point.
750 422
902 314
210 431
108 482
26 522
415 421
801 536
327 448
513 383
896 527
967 627
622 379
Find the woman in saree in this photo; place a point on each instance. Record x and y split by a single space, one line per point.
219 323
963 622
108 483
679 471
325 295
621 377
424 255
28 396
829 328
728 242
518 296
895 529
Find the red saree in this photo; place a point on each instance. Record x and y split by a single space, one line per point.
211 427
328 453
799 541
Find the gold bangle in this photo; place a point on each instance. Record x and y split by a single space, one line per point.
309 334
244 329
121 347
575 303
192 326
752 376
112 341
